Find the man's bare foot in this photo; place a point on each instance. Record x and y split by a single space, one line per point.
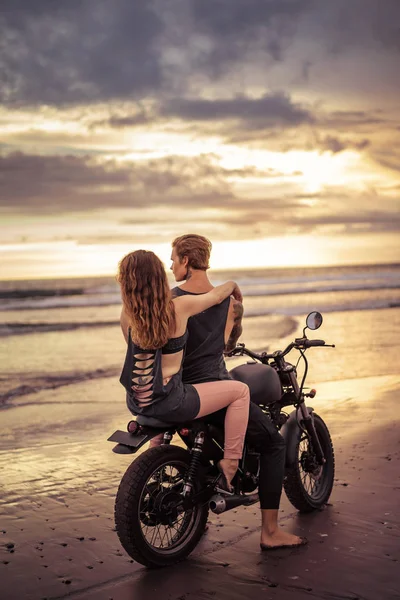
280 538
228 467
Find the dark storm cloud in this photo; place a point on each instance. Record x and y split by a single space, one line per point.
238 29
78 52
225 116
345 24
70 52
270 110
76 183
31 182
120 122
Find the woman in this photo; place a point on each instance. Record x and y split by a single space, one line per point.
155 328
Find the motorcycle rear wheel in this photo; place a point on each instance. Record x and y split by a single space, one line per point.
308 485
151 530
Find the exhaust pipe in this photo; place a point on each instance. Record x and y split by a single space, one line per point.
220 504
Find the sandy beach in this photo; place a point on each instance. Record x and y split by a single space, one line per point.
59 479
65 546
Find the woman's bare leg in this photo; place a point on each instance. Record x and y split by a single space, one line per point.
235 397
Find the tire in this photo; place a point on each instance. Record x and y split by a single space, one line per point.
141 491
304 497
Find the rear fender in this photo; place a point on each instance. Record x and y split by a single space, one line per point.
292 433
129 443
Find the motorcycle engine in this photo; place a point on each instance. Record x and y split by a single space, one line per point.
284 377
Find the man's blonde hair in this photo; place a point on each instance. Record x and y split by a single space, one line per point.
196 247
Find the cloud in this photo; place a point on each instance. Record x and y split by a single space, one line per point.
77 183
78 52
127 119
271 110
242 30
344 25
335 144
142 198
82 182
388 157
354 119
63 53
340 209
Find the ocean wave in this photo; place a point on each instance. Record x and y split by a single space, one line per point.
342 279
36 383
39 293
20 328
56 302
324 308
7 329
263 290
252 289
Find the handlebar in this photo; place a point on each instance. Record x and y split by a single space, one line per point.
310 343
300 344
263 357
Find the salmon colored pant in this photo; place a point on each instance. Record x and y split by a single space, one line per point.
229 394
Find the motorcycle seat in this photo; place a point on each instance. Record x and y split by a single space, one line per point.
152 422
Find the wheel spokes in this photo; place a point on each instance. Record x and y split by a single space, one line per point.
159 530
311 484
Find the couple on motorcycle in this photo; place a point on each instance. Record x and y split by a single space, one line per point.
175 371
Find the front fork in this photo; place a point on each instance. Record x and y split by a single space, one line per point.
308 421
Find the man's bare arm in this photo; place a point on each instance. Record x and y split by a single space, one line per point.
237 329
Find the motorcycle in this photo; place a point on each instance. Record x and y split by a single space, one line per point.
165 495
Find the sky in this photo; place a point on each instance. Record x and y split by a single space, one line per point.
270 126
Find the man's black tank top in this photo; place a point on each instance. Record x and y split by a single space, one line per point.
204 360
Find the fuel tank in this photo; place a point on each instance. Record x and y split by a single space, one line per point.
263 381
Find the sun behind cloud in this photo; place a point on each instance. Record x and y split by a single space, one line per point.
265 127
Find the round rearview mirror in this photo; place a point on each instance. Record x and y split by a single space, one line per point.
314 320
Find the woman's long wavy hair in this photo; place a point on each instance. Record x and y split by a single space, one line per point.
147 299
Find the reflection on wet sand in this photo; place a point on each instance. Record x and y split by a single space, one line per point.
58 531
59 479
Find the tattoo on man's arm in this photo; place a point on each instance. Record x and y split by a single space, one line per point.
237 327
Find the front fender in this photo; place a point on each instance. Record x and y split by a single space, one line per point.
291 433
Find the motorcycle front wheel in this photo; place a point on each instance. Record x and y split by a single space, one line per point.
151 525
307 484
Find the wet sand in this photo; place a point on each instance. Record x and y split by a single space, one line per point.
56 524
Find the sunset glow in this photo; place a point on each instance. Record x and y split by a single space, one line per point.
265 136
69 259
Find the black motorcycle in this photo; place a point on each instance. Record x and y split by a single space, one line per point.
165 495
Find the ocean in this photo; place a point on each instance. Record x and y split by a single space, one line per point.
61 353
55 333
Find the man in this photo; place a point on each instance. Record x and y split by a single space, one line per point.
211 333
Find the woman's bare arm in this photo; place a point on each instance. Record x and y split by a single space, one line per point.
190 305
124 322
